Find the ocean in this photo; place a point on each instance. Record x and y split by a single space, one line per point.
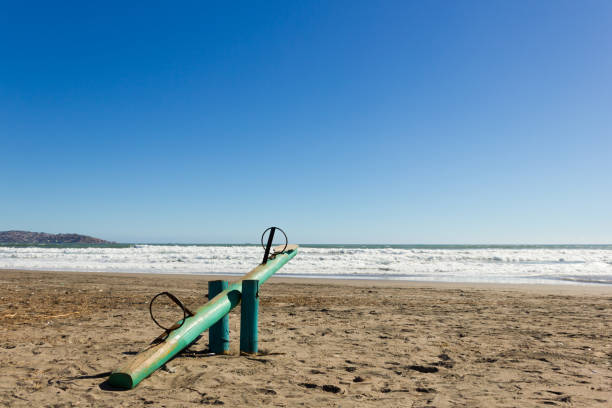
541 264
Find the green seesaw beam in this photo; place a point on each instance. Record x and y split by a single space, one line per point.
156 355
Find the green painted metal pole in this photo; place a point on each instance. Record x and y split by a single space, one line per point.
218 334
156 355
249 311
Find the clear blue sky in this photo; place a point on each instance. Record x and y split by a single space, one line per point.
342 122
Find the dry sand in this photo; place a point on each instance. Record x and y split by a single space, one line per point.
323 343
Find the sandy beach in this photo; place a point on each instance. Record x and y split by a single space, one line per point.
322 342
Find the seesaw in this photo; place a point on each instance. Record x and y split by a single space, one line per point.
211 315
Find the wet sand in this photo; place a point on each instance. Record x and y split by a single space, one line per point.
323 343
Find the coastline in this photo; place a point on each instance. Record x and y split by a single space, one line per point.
569 288
324 342
525 264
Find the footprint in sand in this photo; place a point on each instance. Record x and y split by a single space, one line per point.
267 391
331 388
423 369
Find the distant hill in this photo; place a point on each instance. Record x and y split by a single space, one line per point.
27 237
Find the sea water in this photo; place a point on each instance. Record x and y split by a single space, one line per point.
576 264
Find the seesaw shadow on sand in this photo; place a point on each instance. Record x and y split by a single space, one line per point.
103 386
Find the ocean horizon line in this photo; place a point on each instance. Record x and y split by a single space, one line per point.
323 245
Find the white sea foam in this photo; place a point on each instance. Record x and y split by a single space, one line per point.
464 264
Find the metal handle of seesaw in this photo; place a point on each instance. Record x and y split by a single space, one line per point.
268 246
